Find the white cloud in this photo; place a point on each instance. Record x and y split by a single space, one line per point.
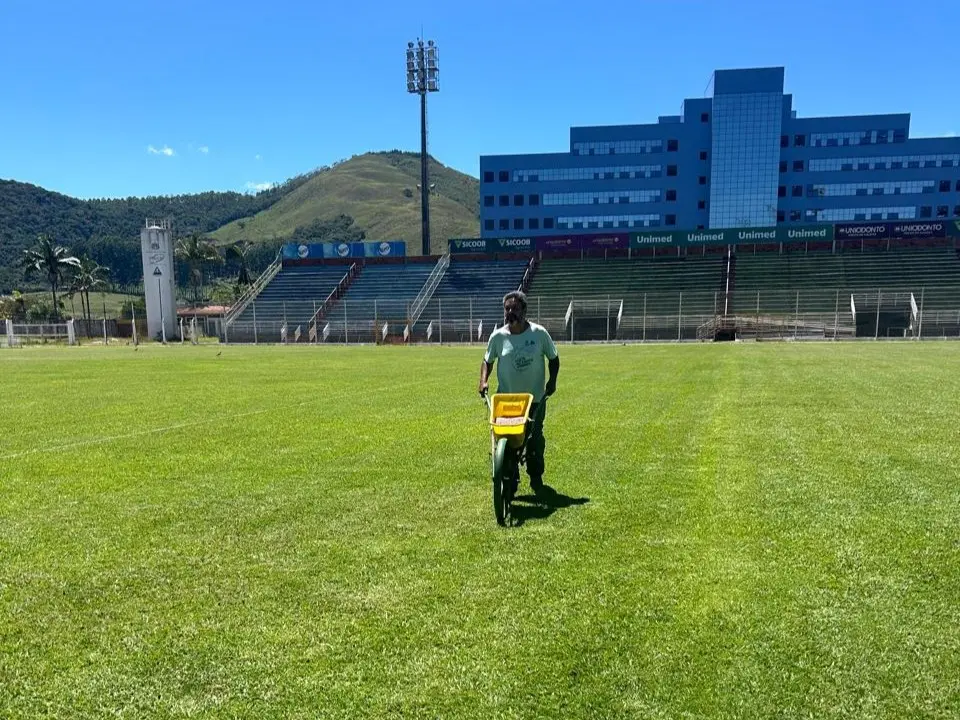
204 149
951 134
259 187
166 151
257 157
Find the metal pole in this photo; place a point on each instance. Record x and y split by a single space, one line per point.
644 317
181 331
376 322
571 320
254 303
877 333
424 173
133 317
836 316
287 334
608 318
680 318
440 318
316 324
346 337
470 326
796 317
920 324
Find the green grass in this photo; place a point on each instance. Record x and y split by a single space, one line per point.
370 188
771 531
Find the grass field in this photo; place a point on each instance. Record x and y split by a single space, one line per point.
747 531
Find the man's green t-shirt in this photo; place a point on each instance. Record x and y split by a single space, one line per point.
520 359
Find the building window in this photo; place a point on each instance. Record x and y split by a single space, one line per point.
673 145
956 211
704 117
780 215
534 223
799 140
504 224
797 191
518 224
703 154
701 204
504 200
671 219
488 200
798 165
488 224
518 200
504 176
488 176
783 166
534 199
671 195
944 186
784 141
926 211
548 223
794 216
899 136
671 170
958 185
782 191
703 179
942 211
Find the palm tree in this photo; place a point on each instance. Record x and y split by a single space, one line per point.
197 251
88 276
51 260
239 252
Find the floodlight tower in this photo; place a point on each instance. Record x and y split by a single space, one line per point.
423 73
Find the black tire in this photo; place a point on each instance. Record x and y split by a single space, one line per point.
502 482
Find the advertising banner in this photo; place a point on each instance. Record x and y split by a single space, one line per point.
387 248
614 241
558 243
461 246
505 245
918 229
869 231
651 238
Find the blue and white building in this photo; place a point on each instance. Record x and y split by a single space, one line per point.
740 157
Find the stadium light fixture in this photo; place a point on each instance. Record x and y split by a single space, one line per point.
423 77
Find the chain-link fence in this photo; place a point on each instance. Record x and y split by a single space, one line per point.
804 314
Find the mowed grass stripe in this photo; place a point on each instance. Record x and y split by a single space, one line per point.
771 531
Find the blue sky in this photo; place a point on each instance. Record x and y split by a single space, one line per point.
111 98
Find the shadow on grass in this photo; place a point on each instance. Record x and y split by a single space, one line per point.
542 505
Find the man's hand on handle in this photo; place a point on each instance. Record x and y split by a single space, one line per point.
484 386
551 387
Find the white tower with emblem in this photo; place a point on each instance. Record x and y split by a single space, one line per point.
156 246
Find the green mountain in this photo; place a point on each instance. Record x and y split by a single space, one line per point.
379 191
373 196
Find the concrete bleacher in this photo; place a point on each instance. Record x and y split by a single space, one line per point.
819 277
471 291
379 294
293 294
651 290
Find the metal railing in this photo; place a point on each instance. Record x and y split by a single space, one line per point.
808 313
259 284
429 287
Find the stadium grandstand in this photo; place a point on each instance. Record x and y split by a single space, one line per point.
904 281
